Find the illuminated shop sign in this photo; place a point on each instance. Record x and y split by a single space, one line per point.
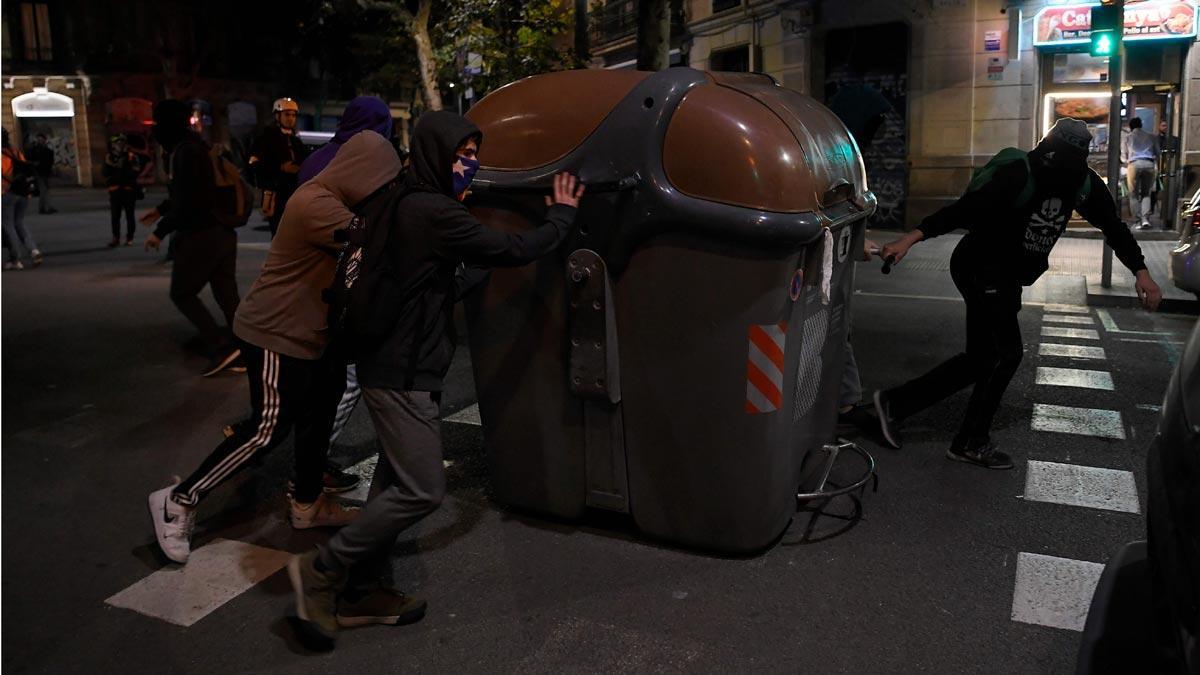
1063 25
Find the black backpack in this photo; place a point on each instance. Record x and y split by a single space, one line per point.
23 181
364 297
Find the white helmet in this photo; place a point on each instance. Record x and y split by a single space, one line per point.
285 103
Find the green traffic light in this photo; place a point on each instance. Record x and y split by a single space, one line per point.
1103 43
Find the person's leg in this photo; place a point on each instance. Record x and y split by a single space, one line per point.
410 435
130 222
191 272
1145 186
15 251
278 385
997 353
23 229
114 212
851 391
349 401
223 280
313 426
43 184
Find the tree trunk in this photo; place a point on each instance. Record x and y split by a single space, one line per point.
582 51
420 36
653 35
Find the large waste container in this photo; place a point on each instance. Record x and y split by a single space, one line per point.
681 353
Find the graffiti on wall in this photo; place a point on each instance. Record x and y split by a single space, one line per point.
60 139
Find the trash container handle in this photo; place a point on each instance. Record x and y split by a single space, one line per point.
840 186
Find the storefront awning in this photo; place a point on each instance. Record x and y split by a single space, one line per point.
1066 25
43 103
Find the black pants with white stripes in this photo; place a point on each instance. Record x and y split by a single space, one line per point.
285 392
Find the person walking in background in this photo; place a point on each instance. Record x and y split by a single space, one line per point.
41 155
1014 212
19 183
361 114
295 379
205 249
121 169
275 158
1139 154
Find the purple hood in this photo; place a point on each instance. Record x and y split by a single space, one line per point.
365 113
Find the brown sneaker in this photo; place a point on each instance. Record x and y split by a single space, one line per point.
383 605
316 600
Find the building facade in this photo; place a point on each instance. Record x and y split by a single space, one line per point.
965 78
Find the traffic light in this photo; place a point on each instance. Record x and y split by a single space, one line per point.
1106 30
1104 42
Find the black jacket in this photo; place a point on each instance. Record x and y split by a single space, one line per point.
433 234
1014 240
191 192
269 151
42 158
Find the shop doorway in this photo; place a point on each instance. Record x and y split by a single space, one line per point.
875 59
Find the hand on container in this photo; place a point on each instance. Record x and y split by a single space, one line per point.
896 250
567 190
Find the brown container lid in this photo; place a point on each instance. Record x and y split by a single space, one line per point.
538 120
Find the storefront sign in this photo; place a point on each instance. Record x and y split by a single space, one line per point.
992 40
43 103
995 68
1150 20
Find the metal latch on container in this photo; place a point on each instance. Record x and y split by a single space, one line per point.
594 370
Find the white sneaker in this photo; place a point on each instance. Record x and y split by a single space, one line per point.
325 512
173 524
18 265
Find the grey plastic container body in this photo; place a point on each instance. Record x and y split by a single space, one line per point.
667 437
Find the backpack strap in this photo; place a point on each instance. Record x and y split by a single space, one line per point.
1026 194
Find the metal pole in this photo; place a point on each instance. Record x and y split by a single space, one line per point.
1114 135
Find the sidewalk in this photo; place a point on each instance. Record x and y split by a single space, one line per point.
1075 263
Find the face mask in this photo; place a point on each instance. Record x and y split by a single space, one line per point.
464 172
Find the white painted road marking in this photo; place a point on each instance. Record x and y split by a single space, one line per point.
1086 486
1083 421
1054 592
1078 333
1074 377
468 415
215 574
1107 320
1065 309
1071 351
1064 318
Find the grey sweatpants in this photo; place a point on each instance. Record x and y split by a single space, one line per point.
409 482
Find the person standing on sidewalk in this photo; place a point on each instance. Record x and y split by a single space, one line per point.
19 184
295 382
432 234
275 158
205 249
1013 219
42 157
1139 154
362 113
121 170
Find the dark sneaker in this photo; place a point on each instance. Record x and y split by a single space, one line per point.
316 601
238 365
385 606
113 243
222 360
857 418
129 242
887 426
335 481
985 455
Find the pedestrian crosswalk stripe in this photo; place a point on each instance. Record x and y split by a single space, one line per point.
1074 377
1084 421
1054 592
1078 333
1068 319
1107 320
1065 309
1071 351
214 574
1085 486
468 415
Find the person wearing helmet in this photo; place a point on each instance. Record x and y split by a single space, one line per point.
275 158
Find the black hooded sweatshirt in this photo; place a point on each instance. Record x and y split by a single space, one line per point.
433 233
1007 240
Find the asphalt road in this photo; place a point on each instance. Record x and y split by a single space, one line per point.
102 405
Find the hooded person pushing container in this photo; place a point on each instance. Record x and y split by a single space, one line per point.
1014 211
430 236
